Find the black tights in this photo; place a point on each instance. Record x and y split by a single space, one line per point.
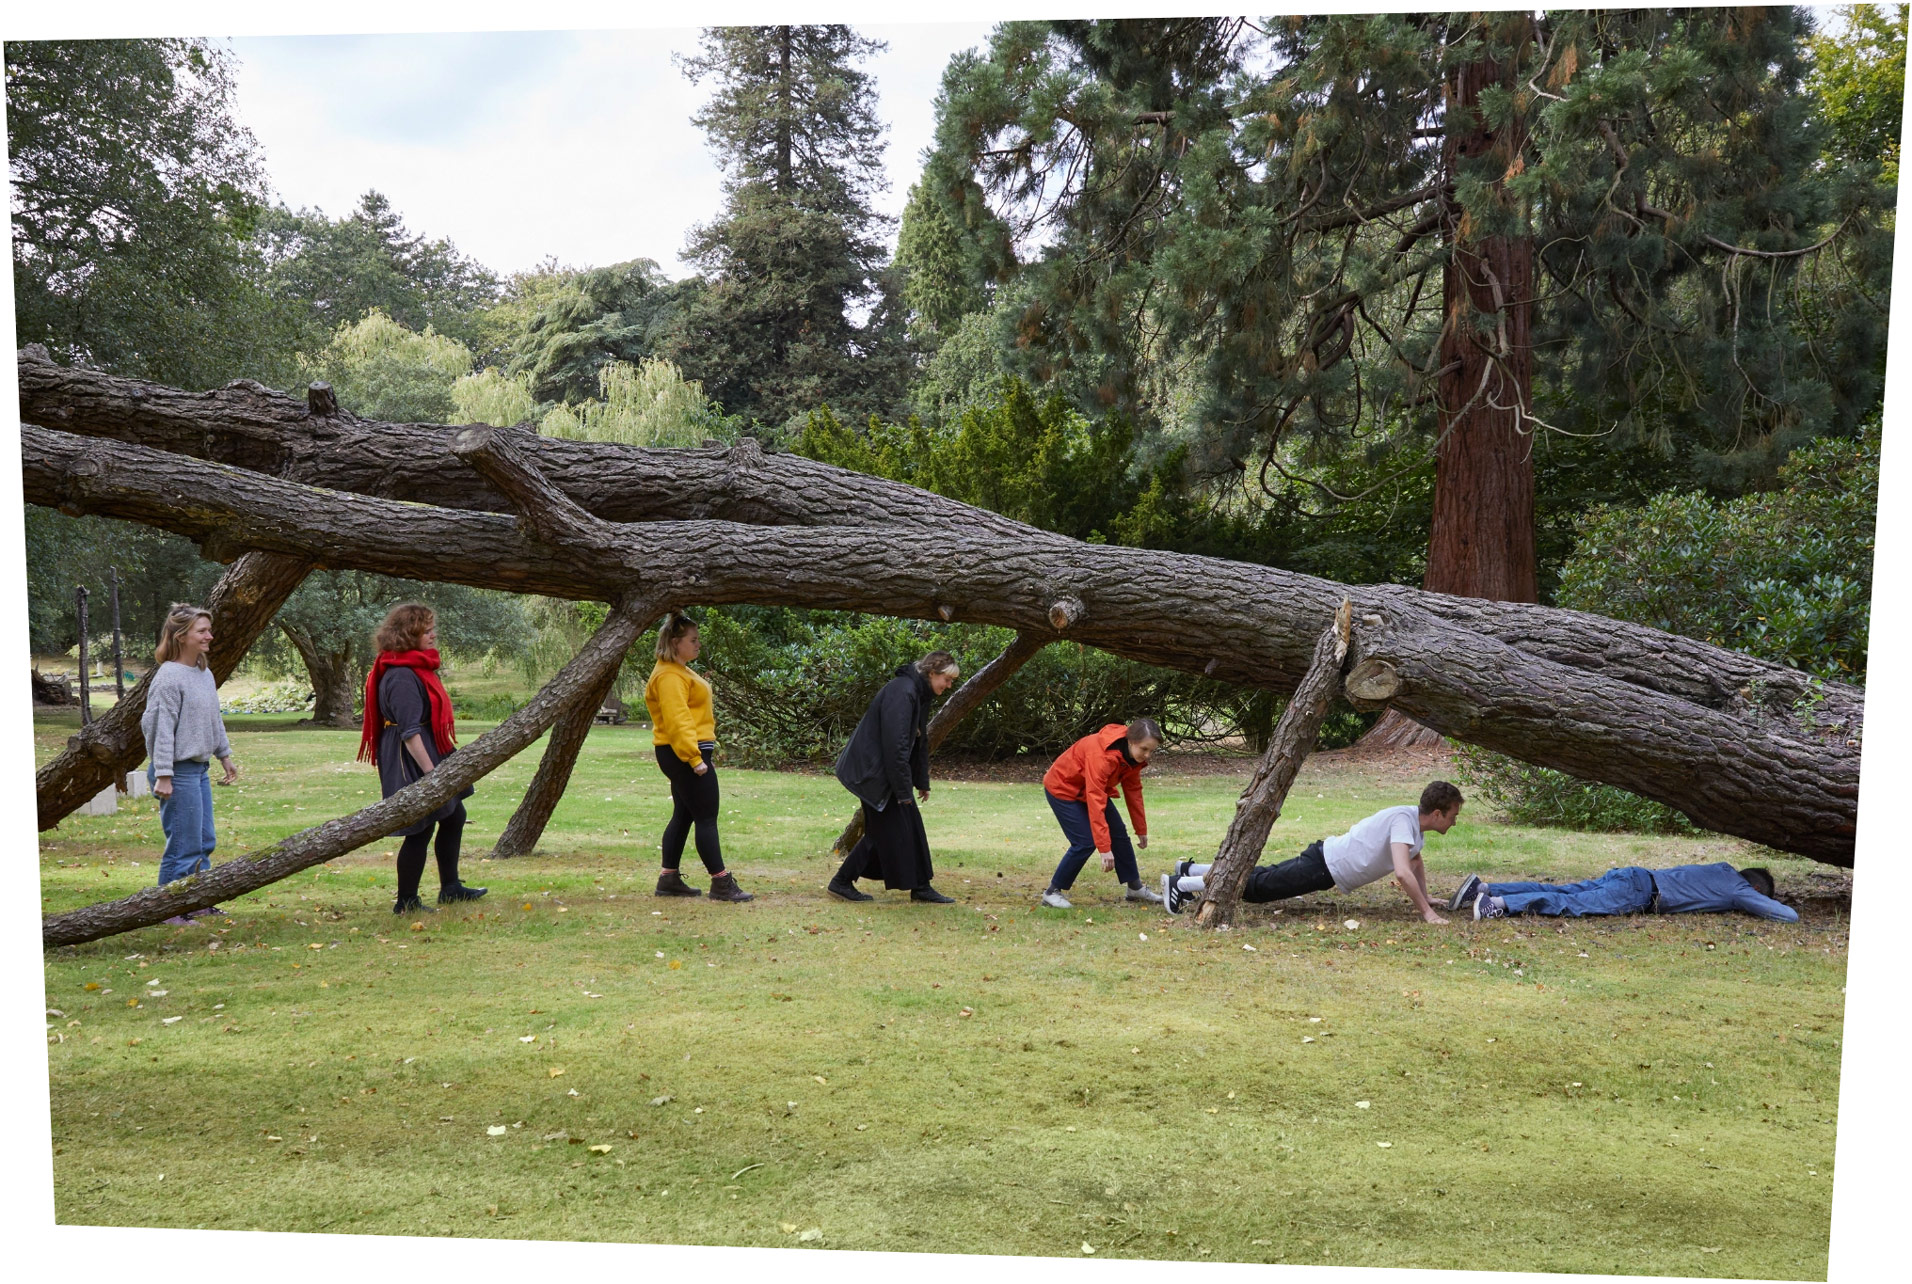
411 853
694 803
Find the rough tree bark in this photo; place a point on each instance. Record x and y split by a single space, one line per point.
602 654
967 699
328 662
246 425
1584 695
242 604
1260 804
568 733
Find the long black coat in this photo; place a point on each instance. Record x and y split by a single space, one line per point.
888 753
406 711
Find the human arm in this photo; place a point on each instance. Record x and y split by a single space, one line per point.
919 766
1408 875
1132 799
415 746
1751 902
896 736
163 700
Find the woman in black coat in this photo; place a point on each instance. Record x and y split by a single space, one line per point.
887 756
408 731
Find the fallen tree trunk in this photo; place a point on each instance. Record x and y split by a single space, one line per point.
602 654
1742 772
1288 748
967 699
568 733
249 426
243 603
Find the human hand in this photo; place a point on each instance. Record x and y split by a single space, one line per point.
1429 916
1108 861
163 787
1142 841
923 795
232 770
700 768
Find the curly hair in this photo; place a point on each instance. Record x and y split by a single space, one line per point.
404 625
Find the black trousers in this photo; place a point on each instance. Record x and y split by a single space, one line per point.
1306 873
444 844
893 848
694 803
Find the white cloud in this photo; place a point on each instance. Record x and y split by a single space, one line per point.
519 145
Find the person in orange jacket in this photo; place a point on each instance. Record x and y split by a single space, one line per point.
1081 786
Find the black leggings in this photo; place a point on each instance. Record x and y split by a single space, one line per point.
411 853
1306 873
693 803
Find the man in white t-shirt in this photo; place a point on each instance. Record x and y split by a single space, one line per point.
1388 842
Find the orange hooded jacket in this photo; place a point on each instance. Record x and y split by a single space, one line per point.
1092 770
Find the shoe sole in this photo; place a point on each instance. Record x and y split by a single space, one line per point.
853 900
1460 896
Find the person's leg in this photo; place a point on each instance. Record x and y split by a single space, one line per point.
451 837
1074 819
411 866
1300 876
208 838
1618 891
705 804
1121 848
678 827
856 864
181 822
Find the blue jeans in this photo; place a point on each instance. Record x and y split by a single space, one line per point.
1074 819
186 818
1628 890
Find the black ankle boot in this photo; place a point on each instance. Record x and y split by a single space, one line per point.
844 890
459 892
724 888
931 895
412 905
671 883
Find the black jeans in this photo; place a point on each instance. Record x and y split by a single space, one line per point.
411 853
694 804
1306 873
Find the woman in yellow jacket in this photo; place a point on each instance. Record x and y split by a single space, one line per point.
684 730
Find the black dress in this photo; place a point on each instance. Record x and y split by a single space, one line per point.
887 756
406 711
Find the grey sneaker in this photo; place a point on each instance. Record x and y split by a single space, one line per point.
1144 894
1470 888
1172 895
1489 907
1056 900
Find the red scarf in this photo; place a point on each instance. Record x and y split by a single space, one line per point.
425 664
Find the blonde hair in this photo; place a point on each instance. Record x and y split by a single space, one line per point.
672 631
404 625
937 662
180 618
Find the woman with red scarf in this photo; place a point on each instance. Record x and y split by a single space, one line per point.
408 731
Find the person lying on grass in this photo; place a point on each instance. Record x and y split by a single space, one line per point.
1632 889
1389 841
1082 786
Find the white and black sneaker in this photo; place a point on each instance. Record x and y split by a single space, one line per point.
1470 888
1486 906
1056 900
1182 867
1172 897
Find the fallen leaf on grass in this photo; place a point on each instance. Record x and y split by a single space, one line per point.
1307 1038
788 1228
527 1038
819 1078
812 1235
92 985
600 1150
1385 1145
666 1099
418 927
496 1130
1352 924
1251 949
675 964
1361 1105
1087 1247
170 1020
555 1071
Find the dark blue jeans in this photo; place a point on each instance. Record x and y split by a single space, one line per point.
1628 890
1074 819
185 817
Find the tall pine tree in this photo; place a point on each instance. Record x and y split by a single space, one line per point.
796 252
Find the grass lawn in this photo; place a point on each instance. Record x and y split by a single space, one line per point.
1637 1095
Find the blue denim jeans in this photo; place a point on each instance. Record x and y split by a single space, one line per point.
1628 890
1074 819
186 818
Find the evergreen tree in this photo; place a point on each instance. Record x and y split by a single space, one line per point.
1438 234
795 252
624 312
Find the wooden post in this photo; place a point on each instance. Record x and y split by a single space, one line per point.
86 682
119 661
1288 748
972 693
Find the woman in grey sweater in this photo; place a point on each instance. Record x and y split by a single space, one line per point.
183 734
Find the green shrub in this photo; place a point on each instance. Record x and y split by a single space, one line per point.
1531 795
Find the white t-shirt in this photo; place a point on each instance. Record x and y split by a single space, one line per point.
1366 852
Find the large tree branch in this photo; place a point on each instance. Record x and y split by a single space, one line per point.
1756 776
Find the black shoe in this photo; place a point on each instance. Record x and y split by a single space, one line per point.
460 892
1470 888
724 888
846 891
412 905
671 883
931 895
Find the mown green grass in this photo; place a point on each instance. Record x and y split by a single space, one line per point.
1641 1095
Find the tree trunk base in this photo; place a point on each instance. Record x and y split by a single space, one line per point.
1396 730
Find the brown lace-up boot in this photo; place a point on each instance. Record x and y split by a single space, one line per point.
724 888
671 883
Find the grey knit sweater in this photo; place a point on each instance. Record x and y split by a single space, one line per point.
182 717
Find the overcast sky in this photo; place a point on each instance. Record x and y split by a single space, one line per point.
519 145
